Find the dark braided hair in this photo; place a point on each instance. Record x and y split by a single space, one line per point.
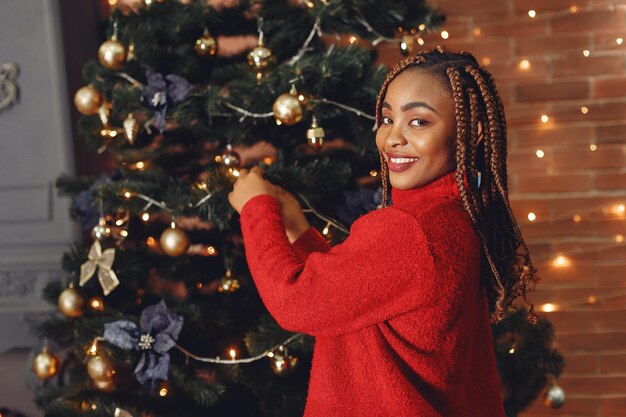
506 265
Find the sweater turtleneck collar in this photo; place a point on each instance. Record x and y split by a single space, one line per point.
442 187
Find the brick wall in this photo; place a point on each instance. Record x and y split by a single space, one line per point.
574 191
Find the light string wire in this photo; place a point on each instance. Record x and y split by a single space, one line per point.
329 220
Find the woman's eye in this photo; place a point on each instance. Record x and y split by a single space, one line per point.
386 120
418 122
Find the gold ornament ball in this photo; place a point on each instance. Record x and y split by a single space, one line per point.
71 302
46 365
174 242
87 100
100 368
206 45
260 57
315 136
283 364
112 54
287 109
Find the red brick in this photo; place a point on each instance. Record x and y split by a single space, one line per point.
609 87
611 274
614 181
552 183
573 407
539 45
609 156
538 137
564 90
612 362
582 205
606 41
589 20
595 385
515 26
552 5
612 132
528 162
603 111
590 341
473 7
492 48
592 65
613 407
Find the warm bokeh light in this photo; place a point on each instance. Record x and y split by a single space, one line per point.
352 39
420 41
123 233
421 26
548 307
140 165
145 217
445 34
532 216
593 147
619 41
211 250
540 154
577 218
586 53
232 353
584 110
573 9
326 230
561 261
619 238
512 350
544 118
524 64
163 392
532 13
477 31
591 299
486 61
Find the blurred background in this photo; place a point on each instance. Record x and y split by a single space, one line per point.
560 67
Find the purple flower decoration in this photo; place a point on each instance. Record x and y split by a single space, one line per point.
358 203
156 334
162 91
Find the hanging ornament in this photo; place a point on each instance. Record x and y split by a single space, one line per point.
112 53
174 241
101 371
104 112
101 261
71 302
282 363
46 365
260 57
206 44
287 109
131 128
228 283
315 135
87 100
96 303
554 397
229 158
406 44
130 56
121 413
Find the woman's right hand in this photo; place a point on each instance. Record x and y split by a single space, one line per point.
293 216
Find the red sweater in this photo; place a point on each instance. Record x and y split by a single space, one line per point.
398 310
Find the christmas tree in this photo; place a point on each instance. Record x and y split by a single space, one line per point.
159 314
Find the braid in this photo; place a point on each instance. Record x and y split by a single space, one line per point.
506 273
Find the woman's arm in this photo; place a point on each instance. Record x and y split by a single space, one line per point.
384 268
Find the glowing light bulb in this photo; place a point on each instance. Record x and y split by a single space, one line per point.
544 118
420 41
532 13
524 64
270 354
512 350
619 41
532 216
573 9
421 26
548 307
145 217
351 40
540 154
140 165
486 60
586 53
232 353
619 238
211 250
584 109
127 194
577 218
123 233
591 299
373 173
477 31
163 392
561 261
326 229
119 222
593 147
445 34
620 209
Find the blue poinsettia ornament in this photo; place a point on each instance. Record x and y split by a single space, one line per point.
162 91
155 335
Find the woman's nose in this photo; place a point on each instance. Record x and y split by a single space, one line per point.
396 137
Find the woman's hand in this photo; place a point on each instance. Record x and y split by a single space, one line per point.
249 185
295 221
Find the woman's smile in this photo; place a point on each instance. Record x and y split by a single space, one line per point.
398 163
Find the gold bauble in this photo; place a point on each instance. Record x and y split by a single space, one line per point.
206 45
46 365
174 241
260 57
283 364
87 100
100 368
287 109
315 135
112 54
71 302
230 158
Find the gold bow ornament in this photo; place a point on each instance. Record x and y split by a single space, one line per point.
102 261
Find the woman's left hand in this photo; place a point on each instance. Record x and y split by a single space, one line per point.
249 184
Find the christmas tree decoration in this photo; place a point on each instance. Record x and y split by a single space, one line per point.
71 302
101 370
174 241
162 91
87 100
406 44
131 128
155 335
229 158
96 304
102 262
260 58
206 44
101 230
287 109
112 53
121 413
554 397
46 364
130 54
315 135
282 363
228 283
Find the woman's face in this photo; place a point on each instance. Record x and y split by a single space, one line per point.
418 131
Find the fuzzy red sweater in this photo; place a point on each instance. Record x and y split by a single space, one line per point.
398 309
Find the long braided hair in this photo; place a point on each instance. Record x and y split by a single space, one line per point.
505 263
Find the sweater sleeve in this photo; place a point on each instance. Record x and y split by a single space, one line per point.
383 269
310 241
